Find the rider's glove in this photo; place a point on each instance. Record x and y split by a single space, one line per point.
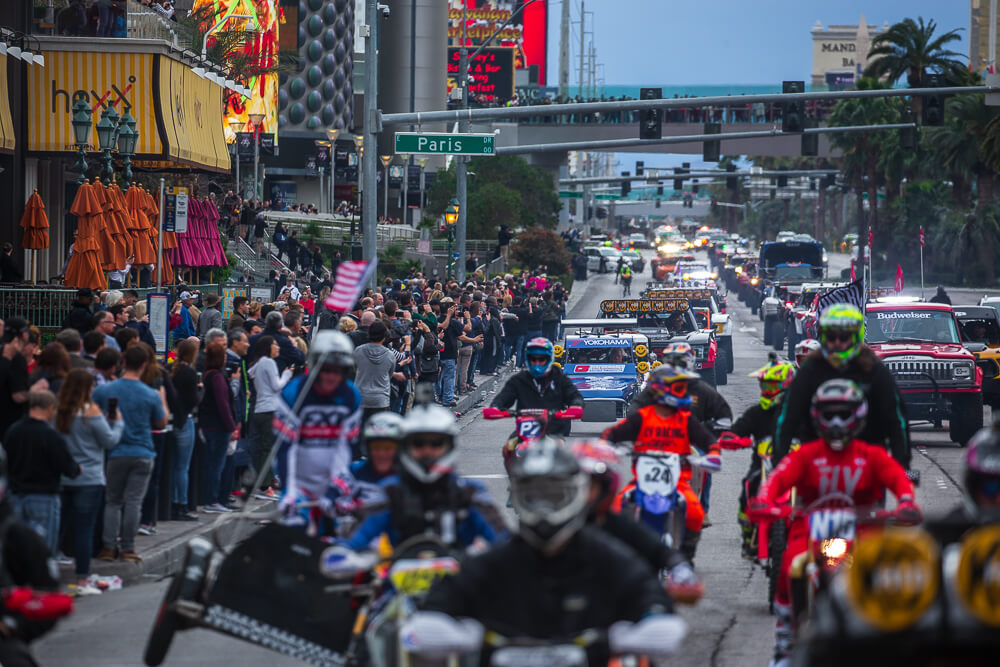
339 562
761 510
495 413
572 412
908 511
683 574
711 462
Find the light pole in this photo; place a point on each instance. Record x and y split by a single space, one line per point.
257 120
385 159
406 188
107 131
236 126
359 145
332 135
422 161
81 134
322 145
461 172
127 139
452 214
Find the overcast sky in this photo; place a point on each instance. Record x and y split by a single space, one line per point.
725 41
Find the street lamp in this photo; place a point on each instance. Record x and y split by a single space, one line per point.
322 145
451 214
127 140
386 159
236 126
359 144
81 133
107 129
257 120
406 187
422 161
332 134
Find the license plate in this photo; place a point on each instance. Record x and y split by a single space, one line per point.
416 576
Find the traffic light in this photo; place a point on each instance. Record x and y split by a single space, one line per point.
657 203
640 167
626 185
932 111
710 149
732 182
659 190
809 143
812 184
829 180
782 181
694 187
650 121
679 182
907 135
792 111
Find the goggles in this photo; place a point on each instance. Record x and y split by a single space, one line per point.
538 359
382 445
678 388
426 442
839 336
770 388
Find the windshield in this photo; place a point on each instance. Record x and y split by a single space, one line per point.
773 254
601 355
802 271
676 321
980 330
910 326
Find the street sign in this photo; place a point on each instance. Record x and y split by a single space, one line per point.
607 196
570 194
417 143
175 210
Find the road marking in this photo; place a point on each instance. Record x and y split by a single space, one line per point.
752 330
490 476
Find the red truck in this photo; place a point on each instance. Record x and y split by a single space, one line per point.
921 344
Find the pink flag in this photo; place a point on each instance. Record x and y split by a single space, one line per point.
853 277
921 236
350 281
899 279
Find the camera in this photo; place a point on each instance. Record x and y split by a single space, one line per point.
385 10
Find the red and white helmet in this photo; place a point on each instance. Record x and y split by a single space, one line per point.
804 348
599 459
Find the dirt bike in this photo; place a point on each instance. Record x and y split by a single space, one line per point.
530 426
441 638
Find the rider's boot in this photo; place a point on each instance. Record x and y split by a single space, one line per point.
690 544
746 535
784 635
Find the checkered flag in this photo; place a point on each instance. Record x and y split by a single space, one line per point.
854 294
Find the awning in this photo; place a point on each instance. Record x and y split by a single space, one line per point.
178 115
7 138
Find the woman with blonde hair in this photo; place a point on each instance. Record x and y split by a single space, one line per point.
88 435
347 324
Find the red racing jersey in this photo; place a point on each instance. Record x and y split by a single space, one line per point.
861 471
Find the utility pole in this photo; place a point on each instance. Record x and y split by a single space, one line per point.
564 51
583 23
369 210
461 167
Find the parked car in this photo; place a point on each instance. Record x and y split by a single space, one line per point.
594 255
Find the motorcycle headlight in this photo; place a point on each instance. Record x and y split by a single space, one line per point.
961 371
835 548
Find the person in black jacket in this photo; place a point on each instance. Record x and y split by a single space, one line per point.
80 317
940 296
558 577
290 354
542 386
9 272
844 355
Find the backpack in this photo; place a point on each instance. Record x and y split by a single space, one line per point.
429 362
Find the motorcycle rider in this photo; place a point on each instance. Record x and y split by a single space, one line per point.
667 426
316 423
837 462
600 460
381 436
707 404
540 386
27 571
427 495
980 489
756 425
844 355
558 577
625 273
804 348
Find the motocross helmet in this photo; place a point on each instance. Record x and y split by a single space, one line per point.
548 490
428 449
669 386
331 348
599 459
382 427
845 322
774 380
839 409
679 355
982 474
804 348
540 355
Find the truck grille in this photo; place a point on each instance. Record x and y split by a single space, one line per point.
917 371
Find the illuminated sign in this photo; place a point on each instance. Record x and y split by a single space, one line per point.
492 72
265 18
526 36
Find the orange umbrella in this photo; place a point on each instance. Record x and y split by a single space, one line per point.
109 260
143 250
36 229
118 222
169 239
84 267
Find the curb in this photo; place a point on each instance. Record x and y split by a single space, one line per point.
488 385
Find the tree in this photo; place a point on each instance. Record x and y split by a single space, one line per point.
540 247
910 47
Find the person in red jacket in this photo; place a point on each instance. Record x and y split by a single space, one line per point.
668 426
836 463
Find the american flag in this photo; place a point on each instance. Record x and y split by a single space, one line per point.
351 279
852 293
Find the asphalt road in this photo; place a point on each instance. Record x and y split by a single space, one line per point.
730 626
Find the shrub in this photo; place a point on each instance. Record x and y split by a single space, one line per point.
539 246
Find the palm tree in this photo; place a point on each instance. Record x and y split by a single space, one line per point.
910 47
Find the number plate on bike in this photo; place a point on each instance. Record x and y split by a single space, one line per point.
413 576
658 474
825 524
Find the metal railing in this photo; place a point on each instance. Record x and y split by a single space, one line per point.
147 23
338 230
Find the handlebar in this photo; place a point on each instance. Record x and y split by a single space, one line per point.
569 414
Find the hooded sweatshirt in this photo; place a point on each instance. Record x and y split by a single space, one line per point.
375 364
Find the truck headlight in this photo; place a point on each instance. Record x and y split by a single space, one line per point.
962 371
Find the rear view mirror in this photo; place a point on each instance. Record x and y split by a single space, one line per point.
974 347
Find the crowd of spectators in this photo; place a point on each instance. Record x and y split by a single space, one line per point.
95 423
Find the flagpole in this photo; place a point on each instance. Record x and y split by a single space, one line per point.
922 261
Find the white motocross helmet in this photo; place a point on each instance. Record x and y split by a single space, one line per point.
804 348
330 347
428 427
